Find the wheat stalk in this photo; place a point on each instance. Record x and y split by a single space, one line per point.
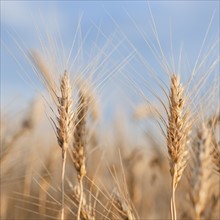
62 97
177 136
64 126
202 171
78 152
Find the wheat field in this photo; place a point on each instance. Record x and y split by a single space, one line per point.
109 136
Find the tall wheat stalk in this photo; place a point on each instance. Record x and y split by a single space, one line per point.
202 171
62 98
78 153
177 136
64 126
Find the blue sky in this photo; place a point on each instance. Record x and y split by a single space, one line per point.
189 21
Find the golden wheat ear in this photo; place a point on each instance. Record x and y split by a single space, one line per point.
78 152
64 125
79 140
202 171
62 97
177 136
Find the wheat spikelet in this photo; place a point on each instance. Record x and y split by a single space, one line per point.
202 171
177 136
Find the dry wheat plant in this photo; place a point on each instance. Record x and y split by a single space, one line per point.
63 159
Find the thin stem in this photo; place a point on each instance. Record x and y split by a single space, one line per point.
173 204
81 198
62 182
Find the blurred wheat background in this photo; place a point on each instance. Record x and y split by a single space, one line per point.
110 110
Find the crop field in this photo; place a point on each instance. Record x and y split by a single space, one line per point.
118 121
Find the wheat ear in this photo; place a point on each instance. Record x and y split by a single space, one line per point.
64 119
64 126
79 142
177 136
202 171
